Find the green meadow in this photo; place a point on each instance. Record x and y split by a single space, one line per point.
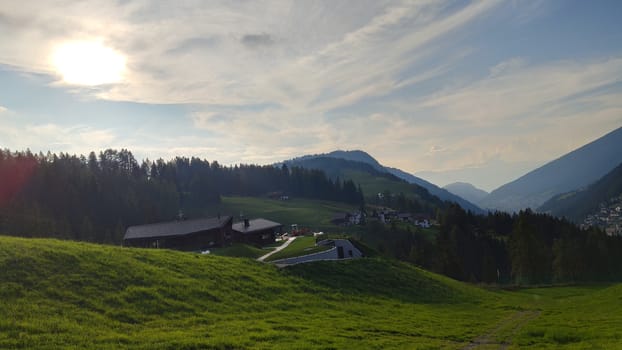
312 214
300 246
68 295
240 250
373 184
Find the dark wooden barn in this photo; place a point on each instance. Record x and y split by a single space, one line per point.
190 235
257 232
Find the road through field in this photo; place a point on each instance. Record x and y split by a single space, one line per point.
278 249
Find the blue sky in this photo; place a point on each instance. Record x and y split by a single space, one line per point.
480 91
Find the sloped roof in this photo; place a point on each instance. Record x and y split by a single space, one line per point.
255 225
175 228
340 216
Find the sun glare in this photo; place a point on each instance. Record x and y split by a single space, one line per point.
88 63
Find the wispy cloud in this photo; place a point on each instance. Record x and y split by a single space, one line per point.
513 90
507 67
520 112
346 60
527 11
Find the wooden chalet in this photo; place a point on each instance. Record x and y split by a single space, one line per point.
189 235
258 232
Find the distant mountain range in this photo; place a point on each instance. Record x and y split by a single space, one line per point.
466 191
359 162
577 205
570 172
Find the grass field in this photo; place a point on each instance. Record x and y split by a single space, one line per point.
583 317
372 185
312 214
67 295
301 246
240 250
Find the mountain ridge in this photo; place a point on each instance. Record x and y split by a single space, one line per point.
466 191
572 171
364 157
576 205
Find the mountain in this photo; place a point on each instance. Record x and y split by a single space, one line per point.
357 156
370 180
577 205
466 191
334 166
570 172
359 162
435 190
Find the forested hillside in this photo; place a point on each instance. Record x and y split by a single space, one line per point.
359 164
95 198
578 204
378 186
524 248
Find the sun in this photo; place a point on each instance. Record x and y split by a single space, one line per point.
88 63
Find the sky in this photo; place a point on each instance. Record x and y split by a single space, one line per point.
473 91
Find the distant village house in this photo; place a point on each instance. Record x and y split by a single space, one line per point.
422 220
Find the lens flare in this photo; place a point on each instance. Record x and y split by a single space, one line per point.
88 63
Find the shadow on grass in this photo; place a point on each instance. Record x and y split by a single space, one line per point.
384 278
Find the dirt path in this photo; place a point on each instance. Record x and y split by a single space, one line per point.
501 336
278 249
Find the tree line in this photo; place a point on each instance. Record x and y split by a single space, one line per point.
95 197
524 248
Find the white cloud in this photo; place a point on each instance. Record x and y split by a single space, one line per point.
196 54
3 110
57 138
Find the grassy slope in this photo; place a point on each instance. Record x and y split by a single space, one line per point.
313 214
240 250
372 185
583 317
56 294
301 246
